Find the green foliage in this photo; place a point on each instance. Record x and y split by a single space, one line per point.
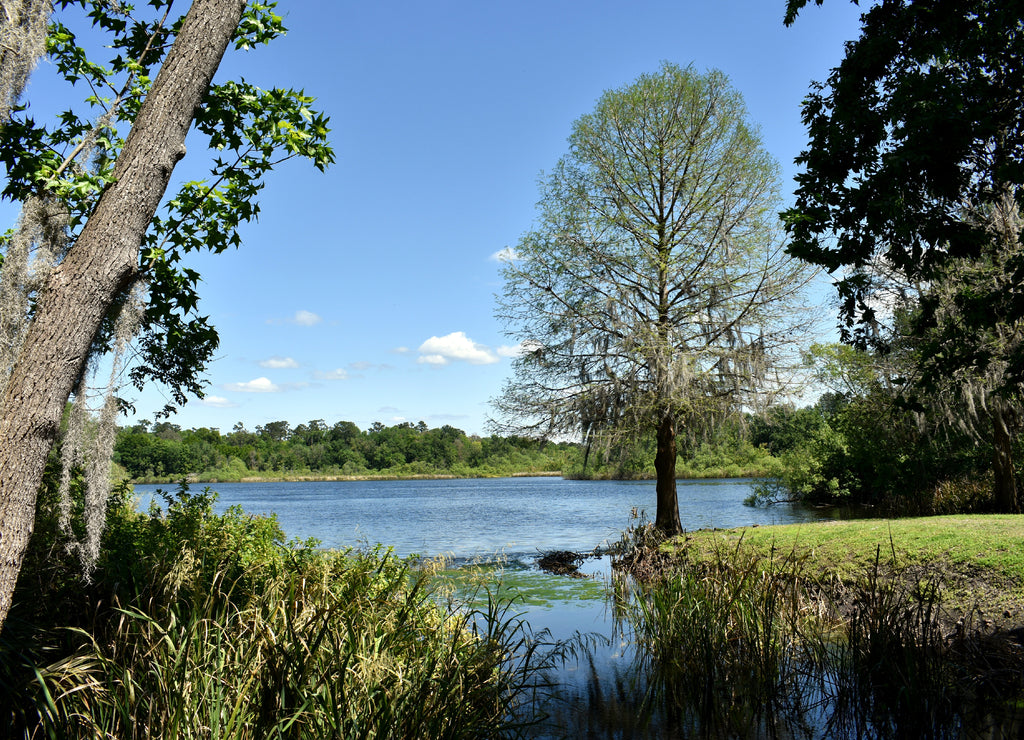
71 159
206 625
862 443
314 449
912 193
913 135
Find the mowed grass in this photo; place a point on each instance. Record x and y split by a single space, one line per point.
980 557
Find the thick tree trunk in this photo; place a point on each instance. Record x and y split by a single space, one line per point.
667 519
1005 483
102 263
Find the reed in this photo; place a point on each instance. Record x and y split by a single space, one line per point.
348 647
228 633
721 629
739 642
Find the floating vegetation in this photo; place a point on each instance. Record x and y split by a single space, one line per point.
562 563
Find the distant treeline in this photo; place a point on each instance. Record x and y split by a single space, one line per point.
857 447
861 447
164 451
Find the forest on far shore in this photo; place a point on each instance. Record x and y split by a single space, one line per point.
856 445
163 451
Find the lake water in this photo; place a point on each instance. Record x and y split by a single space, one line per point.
467 518
510 522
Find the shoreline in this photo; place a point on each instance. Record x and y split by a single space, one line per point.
976 560
716 474
312 478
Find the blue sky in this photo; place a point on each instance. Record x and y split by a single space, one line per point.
367 293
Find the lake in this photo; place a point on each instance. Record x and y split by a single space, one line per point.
481 517
506 524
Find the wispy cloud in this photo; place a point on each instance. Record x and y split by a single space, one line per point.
362 366
338 374
508 254
257 385
455 347
305 318
278 363
300 318
218 402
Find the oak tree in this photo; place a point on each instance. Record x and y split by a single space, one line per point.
912 187
92 264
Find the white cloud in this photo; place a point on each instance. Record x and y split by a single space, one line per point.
218 402
518 350
305 318
278 363
401 350
301 318
258 385
338 374
508 254
362 366
455 346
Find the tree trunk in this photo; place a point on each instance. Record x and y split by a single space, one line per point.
1005 483
667 519
102 263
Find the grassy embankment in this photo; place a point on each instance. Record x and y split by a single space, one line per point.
881 628
979 559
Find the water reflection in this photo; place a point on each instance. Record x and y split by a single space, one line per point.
616 690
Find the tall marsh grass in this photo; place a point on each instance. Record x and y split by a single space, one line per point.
210 642
723 634
734 644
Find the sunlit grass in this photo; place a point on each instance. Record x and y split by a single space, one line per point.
969 546
868 628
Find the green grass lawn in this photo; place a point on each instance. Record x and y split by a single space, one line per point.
979 559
